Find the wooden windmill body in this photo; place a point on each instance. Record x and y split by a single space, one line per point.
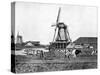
61 36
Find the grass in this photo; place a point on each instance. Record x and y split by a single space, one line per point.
31 67
26 64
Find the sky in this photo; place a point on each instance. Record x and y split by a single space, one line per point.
34 21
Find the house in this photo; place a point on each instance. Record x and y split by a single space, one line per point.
30 48
87 42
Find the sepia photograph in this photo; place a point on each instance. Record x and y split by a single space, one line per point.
53 37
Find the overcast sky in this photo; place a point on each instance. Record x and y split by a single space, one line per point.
33 21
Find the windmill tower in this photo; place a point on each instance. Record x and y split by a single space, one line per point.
61 36
19 39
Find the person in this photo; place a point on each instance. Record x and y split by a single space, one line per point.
73 53
41 54
67 53
94 52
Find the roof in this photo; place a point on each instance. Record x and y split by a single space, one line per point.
86 40
33 42
29 44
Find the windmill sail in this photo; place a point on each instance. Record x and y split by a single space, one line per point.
58 15
57 21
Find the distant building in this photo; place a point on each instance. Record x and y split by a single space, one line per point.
19 39
86 41
32 43
31 46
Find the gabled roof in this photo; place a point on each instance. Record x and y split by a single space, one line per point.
40 46
29 44
33 42
86 40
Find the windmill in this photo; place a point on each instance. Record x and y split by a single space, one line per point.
19 39
61 35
